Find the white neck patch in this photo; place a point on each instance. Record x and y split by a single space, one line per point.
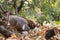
8 23
23 27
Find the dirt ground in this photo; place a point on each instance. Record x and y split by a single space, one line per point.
33 34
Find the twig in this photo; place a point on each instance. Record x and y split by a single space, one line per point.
21 5
17 9
2 8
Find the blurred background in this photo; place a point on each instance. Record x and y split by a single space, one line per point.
36 10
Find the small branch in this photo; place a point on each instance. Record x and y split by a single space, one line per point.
15 7
21 5
2 8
